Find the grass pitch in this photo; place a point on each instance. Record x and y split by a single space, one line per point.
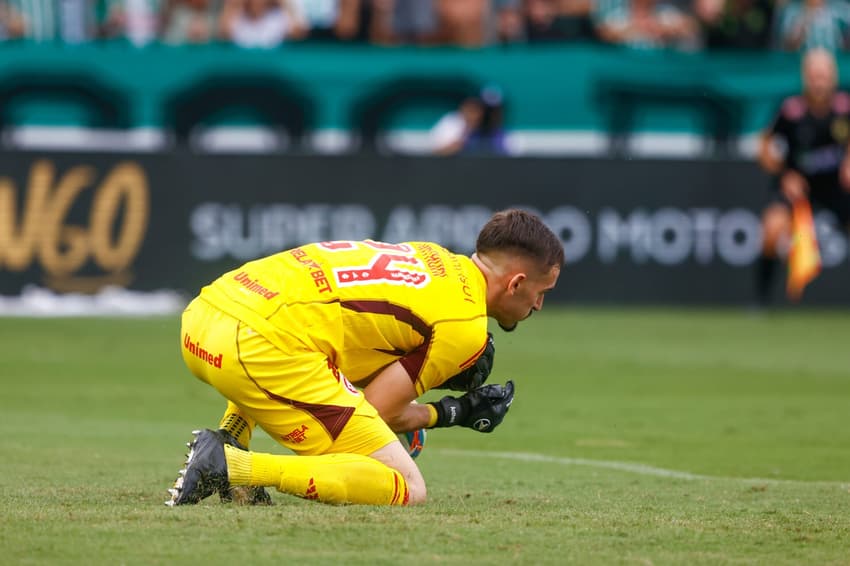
636 437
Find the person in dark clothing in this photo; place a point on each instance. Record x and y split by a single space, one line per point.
813 128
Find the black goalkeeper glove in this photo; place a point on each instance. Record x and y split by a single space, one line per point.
475 375
481 409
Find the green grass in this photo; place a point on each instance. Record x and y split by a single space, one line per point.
636 437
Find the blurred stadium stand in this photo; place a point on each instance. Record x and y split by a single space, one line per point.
343 98
375 112
101 105
270 101
717 114
642 158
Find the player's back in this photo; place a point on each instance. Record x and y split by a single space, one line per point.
365 304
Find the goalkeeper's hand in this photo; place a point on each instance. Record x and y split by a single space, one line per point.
475 375
481 409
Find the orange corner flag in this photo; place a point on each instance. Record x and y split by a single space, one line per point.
803 257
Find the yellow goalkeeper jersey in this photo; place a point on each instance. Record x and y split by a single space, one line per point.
365 304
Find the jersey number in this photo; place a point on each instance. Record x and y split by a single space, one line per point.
382 268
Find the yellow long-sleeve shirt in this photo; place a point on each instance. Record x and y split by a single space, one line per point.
365 304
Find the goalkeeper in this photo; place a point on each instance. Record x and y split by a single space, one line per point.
327 345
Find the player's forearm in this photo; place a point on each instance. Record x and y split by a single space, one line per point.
413 417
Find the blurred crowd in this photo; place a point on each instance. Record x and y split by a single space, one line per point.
640 24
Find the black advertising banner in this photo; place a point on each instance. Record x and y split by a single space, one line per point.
635 231
78 223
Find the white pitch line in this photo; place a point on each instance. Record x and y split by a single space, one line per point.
630 467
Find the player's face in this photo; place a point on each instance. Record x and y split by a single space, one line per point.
524 296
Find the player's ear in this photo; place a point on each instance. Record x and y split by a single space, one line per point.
514 282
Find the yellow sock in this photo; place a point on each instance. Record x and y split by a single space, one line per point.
237 424
251 468
329 478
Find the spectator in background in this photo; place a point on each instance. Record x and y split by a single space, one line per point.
463 22
68 21
137 21
476 127
189 21
807 24
813 130
413 22
647 24
260 24
489 137
449 134
333 20
735 24
11 22
557 20
369 20
78 21
507 21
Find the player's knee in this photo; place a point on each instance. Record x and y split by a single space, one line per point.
417 492
396 457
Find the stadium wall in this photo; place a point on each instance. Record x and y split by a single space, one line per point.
635 231
564 88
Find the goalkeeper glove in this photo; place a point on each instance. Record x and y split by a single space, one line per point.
481 409
475 375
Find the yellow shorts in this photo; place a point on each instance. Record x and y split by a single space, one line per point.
295 394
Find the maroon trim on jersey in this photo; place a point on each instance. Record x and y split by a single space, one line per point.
400 313
398 352
412 361
332 417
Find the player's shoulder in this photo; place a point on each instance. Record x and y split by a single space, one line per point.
793 108
841 102
428 247
466 337
437 256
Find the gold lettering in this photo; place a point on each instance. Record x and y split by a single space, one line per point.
64 249
125 183
117 223
18 243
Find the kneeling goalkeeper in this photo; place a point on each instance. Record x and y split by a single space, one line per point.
326 346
